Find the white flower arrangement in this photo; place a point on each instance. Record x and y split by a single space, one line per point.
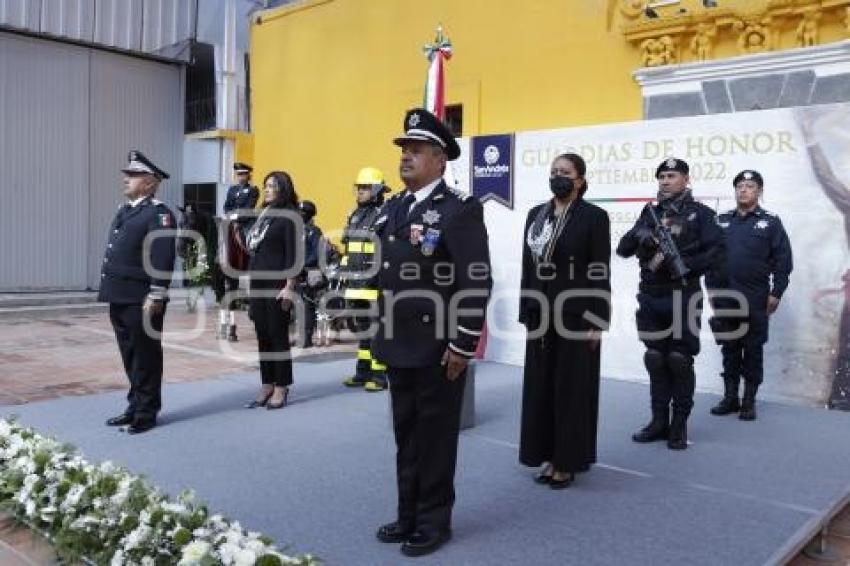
105 515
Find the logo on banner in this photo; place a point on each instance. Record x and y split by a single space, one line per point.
492 175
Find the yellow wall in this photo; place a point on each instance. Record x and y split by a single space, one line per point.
331 79
244 148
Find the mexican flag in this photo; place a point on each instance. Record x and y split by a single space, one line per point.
435 87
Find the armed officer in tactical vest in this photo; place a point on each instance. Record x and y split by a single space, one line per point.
435 282
758 266
360 293
676 241
134 280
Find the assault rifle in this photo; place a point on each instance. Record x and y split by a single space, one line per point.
668 249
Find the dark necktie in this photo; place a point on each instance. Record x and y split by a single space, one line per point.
404 209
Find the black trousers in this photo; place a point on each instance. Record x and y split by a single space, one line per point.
142 357
272 326
309 323
666 325
744 357
426 422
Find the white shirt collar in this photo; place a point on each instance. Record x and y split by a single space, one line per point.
425 191
134 203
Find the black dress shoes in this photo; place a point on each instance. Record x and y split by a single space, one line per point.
120 420
139 427
394 532
422 543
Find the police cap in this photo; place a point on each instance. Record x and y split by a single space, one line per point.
421 125
138 163
240 167
672 164
748 175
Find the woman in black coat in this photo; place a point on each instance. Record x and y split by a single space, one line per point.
565 305
272 244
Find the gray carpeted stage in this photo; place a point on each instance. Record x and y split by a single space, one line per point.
320 473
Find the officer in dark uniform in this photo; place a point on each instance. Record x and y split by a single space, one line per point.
360 293
134 281
311 279
433 250
671 341
241 198
242 195
758 265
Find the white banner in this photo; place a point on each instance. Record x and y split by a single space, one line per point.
804 341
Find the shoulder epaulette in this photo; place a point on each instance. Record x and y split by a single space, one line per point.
460 194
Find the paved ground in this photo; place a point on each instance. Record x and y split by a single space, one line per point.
318 474
75 355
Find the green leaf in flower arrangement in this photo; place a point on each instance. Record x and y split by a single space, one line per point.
106 486
41 458
268 560
182 537
129 523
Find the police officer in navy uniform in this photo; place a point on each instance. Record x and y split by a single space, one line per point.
434 249
758 265
671 345
311 280
242 195
240 201
134 281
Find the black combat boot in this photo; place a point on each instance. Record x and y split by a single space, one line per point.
729 403
748 403
231 335
657 429
678 432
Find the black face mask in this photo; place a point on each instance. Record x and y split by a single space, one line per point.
561 187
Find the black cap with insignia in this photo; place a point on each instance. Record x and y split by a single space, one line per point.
240 167
421 125
673 164
137 163
748 175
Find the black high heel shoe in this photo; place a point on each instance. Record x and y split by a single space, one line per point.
255 403
545 476
543 479
561 484
272 406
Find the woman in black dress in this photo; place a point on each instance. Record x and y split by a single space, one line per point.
565 305
272 244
